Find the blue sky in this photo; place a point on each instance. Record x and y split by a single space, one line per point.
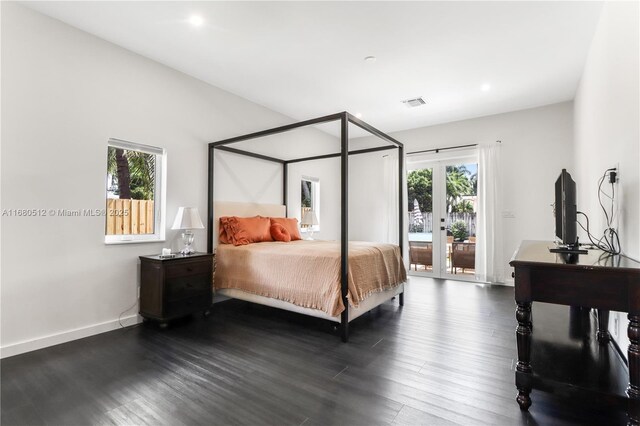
472 167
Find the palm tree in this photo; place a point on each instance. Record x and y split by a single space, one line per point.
306 193
134 171
464 206
143 170
458 184
474 183
420 187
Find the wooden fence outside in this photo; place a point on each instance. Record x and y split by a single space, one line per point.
304 210
125 217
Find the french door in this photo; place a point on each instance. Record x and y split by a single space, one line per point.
442 216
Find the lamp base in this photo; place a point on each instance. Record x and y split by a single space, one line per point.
187 240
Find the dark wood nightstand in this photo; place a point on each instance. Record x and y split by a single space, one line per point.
175 287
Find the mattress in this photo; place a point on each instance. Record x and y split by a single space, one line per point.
307 273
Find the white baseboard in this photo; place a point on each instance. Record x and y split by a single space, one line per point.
67 336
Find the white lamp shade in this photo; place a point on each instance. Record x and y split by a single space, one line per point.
187 218
309 218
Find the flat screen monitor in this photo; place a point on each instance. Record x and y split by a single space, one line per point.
566 209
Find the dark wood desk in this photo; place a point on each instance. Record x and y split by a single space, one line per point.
595 280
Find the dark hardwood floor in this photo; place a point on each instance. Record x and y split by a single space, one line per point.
446 357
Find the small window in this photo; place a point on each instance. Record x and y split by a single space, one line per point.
135 193
310 204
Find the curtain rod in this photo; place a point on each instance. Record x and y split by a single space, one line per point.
436 150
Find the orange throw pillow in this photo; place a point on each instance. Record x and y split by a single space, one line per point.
280 233
223 237
290 224
246 230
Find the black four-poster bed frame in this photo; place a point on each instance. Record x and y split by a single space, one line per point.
345 118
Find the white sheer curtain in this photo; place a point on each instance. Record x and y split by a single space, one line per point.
390 173
489 260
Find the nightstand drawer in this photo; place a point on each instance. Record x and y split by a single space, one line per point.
188 305
187 286
185 269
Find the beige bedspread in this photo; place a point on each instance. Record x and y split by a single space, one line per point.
307 273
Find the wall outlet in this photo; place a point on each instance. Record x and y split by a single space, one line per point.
616 325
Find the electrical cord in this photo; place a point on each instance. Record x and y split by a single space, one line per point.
610 240
124 312
591 237
613 196
610 234
600 192
609 244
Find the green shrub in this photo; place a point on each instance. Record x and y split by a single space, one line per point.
459 231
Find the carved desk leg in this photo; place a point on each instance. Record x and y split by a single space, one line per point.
603 327
523 368
633 391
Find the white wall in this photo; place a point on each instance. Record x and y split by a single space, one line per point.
246 179
372 207
327 171
367 200
64 94
607 129
536 145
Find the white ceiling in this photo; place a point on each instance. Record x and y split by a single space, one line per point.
306 59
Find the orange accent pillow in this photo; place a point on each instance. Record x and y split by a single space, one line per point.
280 233
290 224
246 230
222 231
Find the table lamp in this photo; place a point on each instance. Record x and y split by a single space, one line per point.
187 219
310 219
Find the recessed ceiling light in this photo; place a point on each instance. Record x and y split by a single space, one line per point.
358 115
196 20
370 59
485 87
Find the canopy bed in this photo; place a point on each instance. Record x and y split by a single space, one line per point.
364 291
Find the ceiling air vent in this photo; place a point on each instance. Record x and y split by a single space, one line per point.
415 102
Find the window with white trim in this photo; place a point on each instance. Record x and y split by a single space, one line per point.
135 189
310 202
